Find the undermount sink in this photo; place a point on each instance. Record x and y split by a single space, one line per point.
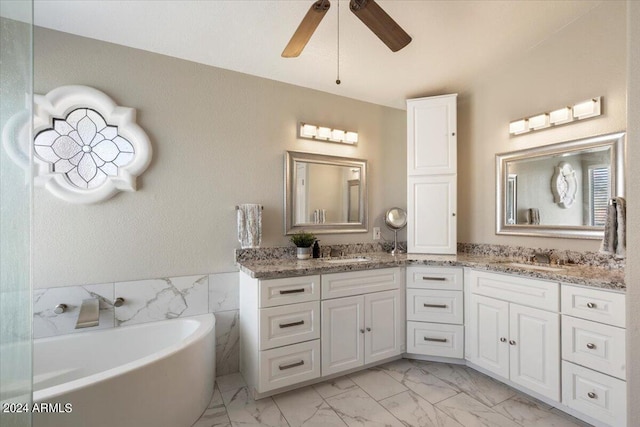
347 260
534 267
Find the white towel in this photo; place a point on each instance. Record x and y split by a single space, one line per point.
250 225
614 241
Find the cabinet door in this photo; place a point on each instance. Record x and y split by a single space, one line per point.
383 320
534 341
431 226
488 331
342 334
431 135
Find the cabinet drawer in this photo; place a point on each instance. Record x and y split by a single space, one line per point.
594 345
290 290
360 282
280 367
594 304
522 290
435 339
425 305
594 394
289 324
448 278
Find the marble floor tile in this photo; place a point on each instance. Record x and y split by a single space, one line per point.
477 385
377 383
230 382
471 413
216 413
414 411
425 384
243 410
573 419
305 407
357 408
335 386
530 413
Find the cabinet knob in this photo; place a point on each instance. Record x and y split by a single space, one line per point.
362 331
453 134
60 308
512 342
453 214
503 339
368 329
591 304
591 346
592 395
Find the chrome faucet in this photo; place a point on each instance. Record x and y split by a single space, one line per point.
89 313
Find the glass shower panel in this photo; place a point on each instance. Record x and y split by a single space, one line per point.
16 73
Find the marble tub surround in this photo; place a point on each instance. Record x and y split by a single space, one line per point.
581 274
46 323
149 301
399 393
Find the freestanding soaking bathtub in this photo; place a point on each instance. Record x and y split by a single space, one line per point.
155 374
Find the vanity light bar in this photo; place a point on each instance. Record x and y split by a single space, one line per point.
581 110
322 133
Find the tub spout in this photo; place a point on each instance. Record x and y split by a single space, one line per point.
89 313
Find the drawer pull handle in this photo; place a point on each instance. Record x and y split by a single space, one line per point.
436 305
291 365
435 339
368 329
362 331
592 395
512 342
288 325
591 304
503 339
591 346
291 291
440 279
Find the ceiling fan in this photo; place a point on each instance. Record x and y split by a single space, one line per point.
368 11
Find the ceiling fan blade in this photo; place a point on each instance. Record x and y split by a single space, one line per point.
382 25
306 28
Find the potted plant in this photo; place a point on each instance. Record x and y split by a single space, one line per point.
303 241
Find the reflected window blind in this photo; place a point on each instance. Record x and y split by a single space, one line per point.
598 195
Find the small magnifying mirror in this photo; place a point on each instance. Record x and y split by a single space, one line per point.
396 219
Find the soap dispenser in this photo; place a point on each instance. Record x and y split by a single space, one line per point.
316 249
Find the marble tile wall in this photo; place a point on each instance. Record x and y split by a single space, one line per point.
149 301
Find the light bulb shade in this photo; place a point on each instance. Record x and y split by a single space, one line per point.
324 133
518 127
589 108
337 135
308 131
563 115
352 137
540 121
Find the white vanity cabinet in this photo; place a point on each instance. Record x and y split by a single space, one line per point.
593 353
296 330
513 330
432 174
435 306
362 318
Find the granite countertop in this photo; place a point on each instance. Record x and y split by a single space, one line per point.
598 277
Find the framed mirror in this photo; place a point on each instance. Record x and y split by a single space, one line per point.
559 190
325 194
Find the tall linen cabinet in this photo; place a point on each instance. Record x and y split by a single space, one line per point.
432 174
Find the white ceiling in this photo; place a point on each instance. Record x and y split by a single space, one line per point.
453 41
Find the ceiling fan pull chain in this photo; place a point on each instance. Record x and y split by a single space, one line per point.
338 48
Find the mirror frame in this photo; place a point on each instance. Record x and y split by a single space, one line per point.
291 157
616 141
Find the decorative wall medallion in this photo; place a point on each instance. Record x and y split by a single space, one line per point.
86 148
564 185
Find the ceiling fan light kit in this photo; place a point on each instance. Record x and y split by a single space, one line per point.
368 11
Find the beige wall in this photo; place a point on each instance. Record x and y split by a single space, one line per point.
586 58
633 212
219 139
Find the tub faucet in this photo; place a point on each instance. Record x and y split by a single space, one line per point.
89 313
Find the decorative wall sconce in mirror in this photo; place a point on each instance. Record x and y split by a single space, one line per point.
580 111
326 134
86 147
